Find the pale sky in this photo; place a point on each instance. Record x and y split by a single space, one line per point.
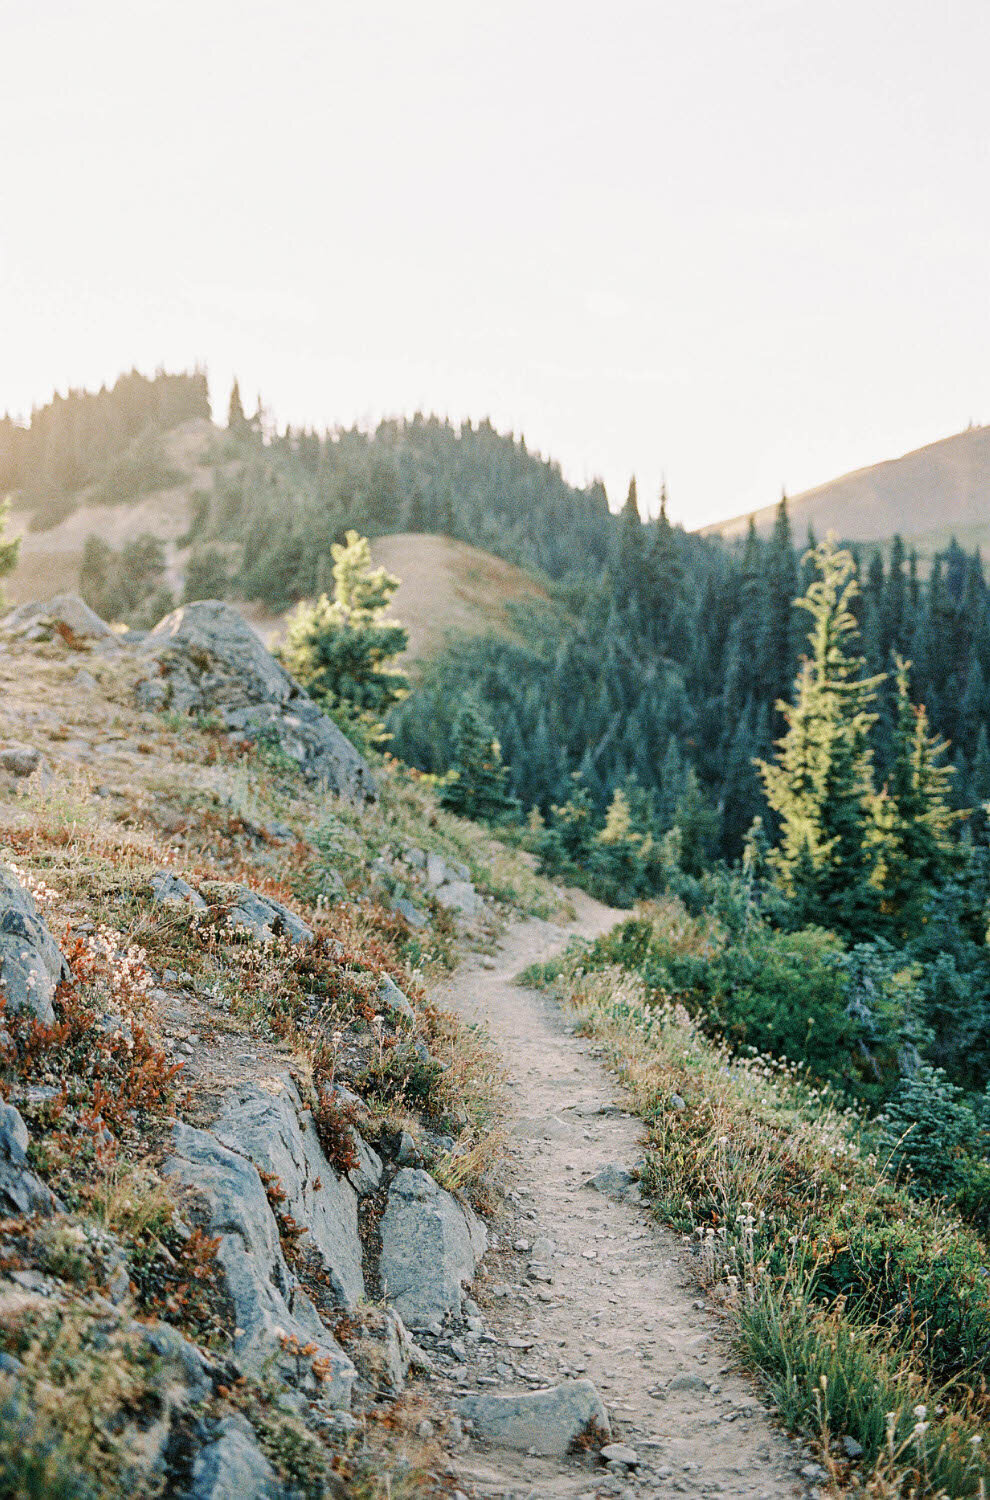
741 242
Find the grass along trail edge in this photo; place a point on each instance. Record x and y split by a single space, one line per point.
865 1313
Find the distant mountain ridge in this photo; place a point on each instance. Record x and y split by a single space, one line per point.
928 495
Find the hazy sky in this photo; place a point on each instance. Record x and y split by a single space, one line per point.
744 242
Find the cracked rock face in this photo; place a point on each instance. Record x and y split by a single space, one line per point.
206 659
274 1131
431 1245
544 1422
31 963
269 1305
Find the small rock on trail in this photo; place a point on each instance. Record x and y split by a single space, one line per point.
546 1422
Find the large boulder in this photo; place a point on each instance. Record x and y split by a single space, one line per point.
205 658
270 1308
271 1128
31 963
544 1422
66 615
431 1245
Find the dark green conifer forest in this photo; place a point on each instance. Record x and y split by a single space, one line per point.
657 652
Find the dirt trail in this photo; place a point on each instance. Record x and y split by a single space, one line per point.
621 1309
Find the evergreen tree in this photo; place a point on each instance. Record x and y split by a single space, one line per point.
476 785
341 651
236 420
207 575
913 819
980 775
752 612
569 841
631 549
820 785
618 861
696 827
664 579
777 644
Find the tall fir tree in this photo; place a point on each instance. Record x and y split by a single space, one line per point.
477 784
777 635
820 785
343 651
912 817
236 420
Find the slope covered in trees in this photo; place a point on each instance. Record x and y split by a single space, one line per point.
86 437
643 652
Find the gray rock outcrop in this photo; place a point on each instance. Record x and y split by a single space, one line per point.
21 1191
205 658
43 618
265 918
431 1245
451 884
459 895
269 1306
182 1358
169 889
543 1422
366 1177
31 963
392 999
275 1133
232 1466
409 912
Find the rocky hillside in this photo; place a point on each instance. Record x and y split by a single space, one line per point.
929 496
242 1155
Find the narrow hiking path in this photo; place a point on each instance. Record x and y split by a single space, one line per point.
620 1308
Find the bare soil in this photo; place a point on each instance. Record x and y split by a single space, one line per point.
622 1308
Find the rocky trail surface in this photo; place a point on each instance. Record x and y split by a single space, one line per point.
581 1284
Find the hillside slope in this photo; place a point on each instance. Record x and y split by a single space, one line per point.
446 585
213 979
50 557
928 495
